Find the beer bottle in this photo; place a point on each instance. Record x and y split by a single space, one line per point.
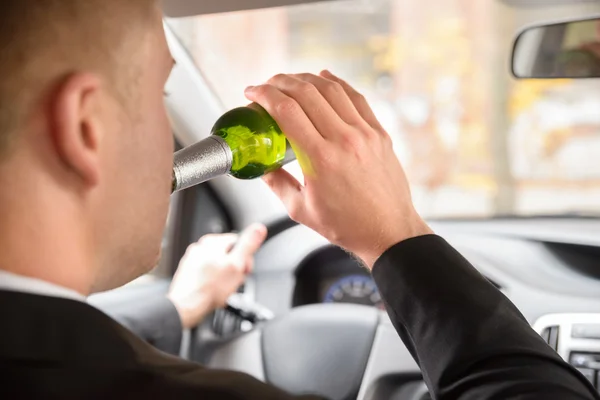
245 143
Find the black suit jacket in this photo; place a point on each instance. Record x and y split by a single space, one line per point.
469 340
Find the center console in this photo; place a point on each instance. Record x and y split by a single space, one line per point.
576 338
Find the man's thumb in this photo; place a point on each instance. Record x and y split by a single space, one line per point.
250 241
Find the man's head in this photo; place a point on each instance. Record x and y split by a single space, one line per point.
85 144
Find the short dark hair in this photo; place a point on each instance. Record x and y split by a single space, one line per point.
43 40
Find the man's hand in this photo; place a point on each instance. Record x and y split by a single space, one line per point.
212 270
355 192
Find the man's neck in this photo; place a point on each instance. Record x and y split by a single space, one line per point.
46 245
45 231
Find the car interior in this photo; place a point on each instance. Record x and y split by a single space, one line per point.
499 142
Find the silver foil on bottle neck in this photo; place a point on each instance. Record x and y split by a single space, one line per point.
201 162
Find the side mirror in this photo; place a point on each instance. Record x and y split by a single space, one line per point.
563 50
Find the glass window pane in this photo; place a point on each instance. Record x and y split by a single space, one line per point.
474 142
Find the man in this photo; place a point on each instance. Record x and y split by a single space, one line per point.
85 176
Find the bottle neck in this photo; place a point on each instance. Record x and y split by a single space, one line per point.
201 162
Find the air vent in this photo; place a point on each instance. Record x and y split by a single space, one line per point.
550 335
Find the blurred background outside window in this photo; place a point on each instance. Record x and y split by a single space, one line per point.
474 141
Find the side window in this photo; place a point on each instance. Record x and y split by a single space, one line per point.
474 142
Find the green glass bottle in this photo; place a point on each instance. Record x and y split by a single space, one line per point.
257 144
245 143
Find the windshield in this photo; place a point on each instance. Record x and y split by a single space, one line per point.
474 141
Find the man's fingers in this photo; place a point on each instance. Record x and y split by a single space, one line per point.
223 242
358 100
249 242
289 191
335 95
321 113
288 114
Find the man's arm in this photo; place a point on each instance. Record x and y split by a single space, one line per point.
469 339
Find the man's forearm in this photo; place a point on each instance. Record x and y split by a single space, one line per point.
470 341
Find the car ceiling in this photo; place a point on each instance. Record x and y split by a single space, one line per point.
555 9
545 3
182 8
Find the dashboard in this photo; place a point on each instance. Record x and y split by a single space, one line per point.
331 275
543 266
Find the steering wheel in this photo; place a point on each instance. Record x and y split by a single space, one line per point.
333 350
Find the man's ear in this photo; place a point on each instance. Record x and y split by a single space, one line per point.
76 129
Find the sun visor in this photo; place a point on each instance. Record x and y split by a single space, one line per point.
184 8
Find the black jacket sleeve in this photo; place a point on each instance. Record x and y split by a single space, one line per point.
470 341
155 320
